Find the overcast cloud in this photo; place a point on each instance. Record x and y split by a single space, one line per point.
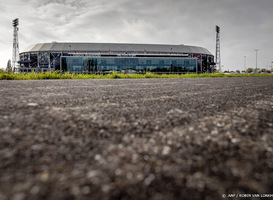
245 25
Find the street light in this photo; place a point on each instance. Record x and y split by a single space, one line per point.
245 63
256 59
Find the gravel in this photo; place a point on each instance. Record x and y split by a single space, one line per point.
136 139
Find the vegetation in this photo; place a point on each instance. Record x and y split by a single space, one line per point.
249 70
114 75
264 71
8 68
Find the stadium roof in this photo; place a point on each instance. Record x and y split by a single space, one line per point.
115 47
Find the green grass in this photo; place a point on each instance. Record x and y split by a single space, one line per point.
114 75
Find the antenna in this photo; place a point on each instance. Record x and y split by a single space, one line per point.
15 50
217 54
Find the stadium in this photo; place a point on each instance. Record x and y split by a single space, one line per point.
120 57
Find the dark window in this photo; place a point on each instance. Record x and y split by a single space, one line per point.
103 62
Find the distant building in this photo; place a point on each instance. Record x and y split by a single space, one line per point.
108 57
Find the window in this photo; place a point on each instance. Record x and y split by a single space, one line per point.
103 62
156 64
161 62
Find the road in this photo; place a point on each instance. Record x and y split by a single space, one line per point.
199 138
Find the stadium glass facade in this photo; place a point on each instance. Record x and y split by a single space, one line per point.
128 64
109 57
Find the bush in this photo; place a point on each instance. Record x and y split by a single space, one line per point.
149 75
249 70
7 76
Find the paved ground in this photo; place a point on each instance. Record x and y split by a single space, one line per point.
136 139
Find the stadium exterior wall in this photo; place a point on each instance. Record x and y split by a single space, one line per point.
121 57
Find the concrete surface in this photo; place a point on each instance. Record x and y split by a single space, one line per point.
136 139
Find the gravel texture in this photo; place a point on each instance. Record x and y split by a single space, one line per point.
136 139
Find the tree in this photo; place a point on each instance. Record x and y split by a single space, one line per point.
249 70
9 69
262 70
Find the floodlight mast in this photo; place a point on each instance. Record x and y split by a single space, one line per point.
15 49
217 54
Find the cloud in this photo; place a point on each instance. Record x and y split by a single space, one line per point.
245 25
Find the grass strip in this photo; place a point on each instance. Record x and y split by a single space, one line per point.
114 75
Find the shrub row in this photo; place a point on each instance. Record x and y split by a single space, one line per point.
114 75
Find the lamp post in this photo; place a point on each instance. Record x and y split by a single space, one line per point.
256 59
245 63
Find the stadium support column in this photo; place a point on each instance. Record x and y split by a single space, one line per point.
49 61
15 50
29 59
38 62
196 65
201 64
217 54
61 63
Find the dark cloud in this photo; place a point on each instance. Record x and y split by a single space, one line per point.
245 25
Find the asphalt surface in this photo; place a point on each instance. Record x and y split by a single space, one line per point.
136 139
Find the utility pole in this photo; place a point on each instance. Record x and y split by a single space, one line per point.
15 50
256 59
245 63
217 54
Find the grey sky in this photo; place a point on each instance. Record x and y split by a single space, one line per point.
245 25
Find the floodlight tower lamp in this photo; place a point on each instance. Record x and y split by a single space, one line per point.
15 22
